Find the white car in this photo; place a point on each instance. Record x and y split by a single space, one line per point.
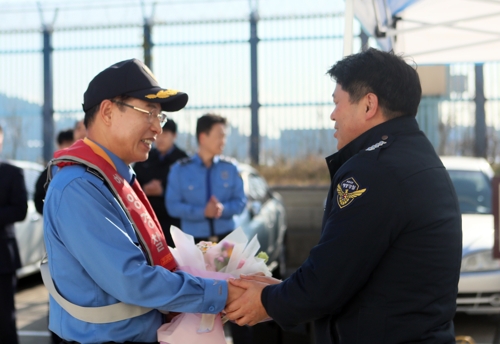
29 233
479 285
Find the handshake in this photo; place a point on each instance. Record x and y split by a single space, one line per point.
244 305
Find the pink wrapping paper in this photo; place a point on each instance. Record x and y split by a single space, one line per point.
188 328
183 329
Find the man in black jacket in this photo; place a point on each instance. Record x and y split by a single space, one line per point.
387 265
152 175
13 208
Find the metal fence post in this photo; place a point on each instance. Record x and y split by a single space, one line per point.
147 36
364 40
48 98
148 43
480 100
254 105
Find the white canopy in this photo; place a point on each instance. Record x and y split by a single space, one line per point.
433 31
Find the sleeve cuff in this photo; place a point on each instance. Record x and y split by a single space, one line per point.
215 296
263 297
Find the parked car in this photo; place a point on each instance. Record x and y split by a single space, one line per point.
265 217
29 233
479 285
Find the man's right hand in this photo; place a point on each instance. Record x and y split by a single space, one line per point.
153 188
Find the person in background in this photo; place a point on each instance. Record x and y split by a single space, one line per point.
64 139
206 192
387 265
79 131
152 175
104 242
13 208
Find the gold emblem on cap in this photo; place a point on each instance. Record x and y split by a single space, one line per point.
162 94
147 70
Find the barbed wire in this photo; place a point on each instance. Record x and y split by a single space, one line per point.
23 7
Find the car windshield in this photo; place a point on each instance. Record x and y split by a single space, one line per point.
473 191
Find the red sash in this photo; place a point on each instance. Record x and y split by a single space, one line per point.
132 199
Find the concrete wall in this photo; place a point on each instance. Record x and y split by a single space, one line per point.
304 209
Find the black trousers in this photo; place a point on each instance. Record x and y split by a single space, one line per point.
8 332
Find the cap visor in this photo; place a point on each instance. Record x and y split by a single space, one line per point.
168 101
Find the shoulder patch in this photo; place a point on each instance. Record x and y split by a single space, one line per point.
347 191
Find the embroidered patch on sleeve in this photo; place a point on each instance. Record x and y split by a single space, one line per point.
347 191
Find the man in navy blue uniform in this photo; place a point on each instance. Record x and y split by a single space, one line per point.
387 265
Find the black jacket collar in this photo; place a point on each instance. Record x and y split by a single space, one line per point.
381 132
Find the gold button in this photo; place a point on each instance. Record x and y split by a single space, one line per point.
385 137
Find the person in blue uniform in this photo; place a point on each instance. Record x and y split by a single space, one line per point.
13 208
387 265
206 190
152 175
103 242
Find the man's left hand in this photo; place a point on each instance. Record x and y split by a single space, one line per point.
248 309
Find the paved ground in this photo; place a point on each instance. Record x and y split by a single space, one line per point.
31 303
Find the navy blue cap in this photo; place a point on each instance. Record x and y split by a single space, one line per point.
131 78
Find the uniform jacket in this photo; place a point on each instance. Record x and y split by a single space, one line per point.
387 265
158 168
13 208
190 185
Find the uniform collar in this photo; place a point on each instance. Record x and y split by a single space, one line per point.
381 132
123 169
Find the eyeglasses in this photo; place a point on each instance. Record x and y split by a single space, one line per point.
162 116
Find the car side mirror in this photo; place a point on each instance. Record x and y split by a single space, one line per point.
255 207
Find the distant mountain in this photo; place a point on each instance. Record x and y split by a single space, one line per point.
22 125
16 106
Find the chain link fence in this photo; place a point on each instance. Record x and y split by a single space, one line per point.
210 59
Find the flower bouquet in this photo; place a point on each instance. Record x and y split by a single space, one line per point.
231 257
